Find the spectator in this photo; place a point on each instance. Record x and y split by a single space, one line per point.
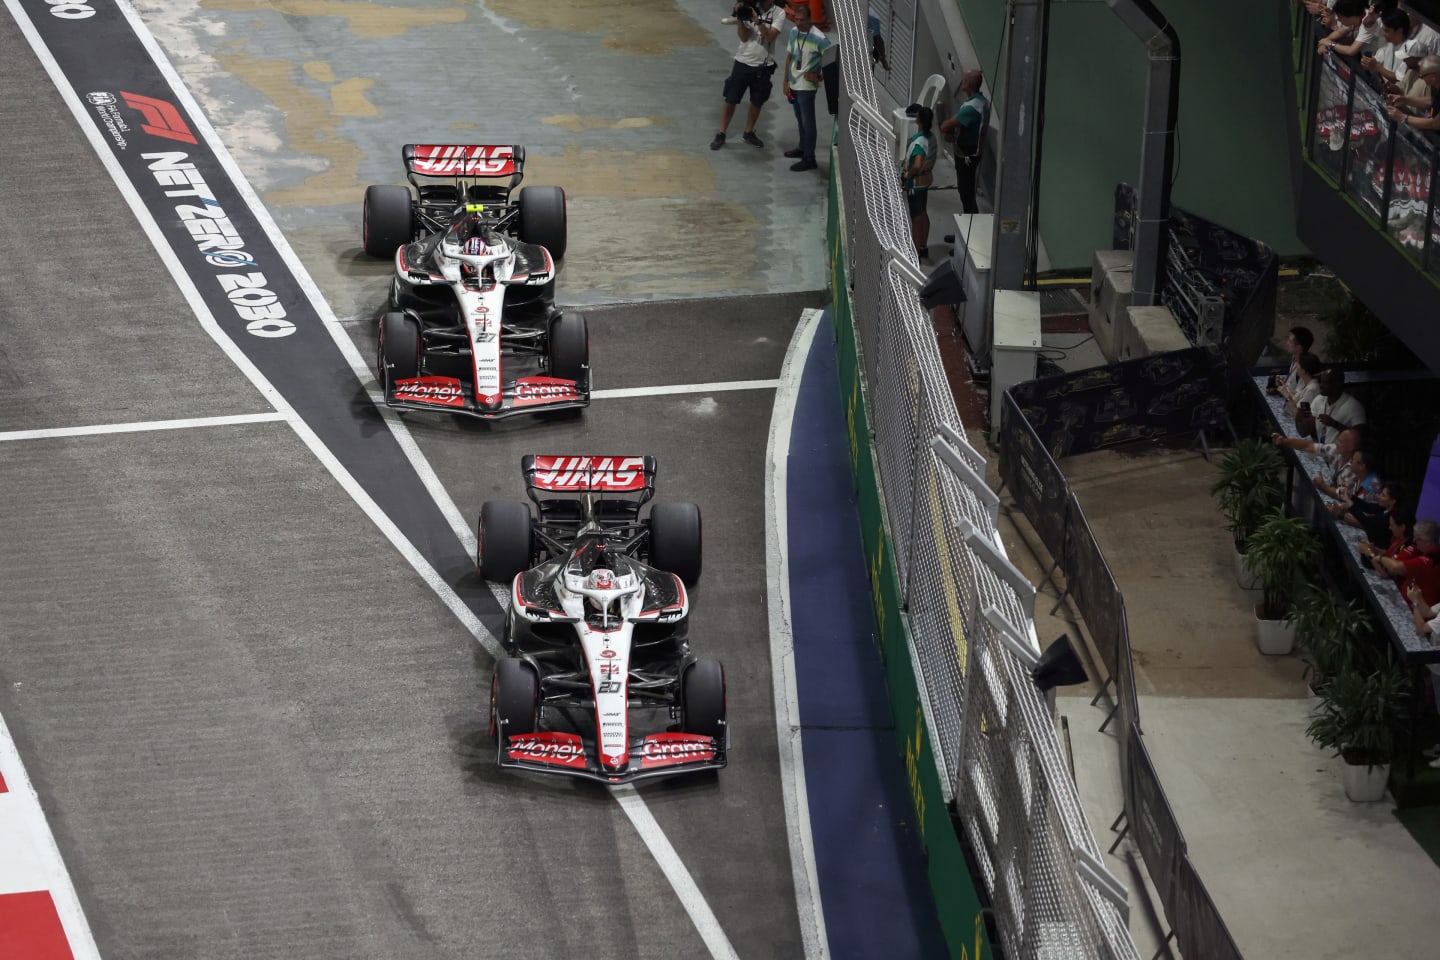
1401 548
1369 35
1428 105
1388 60
830 61
967 129
1298 341
1336 455
1427 618
751 70
916 179
1343 39
1423 570
1307 382
1335 410
1374 518
803 52
1364 485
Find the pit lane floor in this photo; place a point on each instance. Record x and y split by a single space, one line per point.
261 735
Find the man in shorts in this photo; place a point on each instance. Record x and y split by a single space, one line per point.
754 66
915 177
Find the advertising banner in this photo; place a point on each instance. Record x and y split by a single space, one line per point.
1033 479
1093 587
1153 824
1199 931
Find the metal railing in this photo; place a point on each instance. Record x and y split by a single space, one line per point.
1389 169
968 609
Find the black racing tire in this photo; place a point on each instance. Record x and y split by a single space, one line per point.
399 352
570 348
505 540
542 219
702 699
514 698
676 542
387 223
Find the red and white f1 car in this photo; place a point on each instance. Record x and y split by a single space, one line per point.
600 682
472 325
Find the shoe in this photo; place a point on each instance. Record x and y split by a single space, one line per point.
949 238
794 154
728 21
924 254
753 140
718 142
804 165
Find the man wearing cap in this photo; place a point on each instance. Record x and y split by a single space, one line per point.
1429 107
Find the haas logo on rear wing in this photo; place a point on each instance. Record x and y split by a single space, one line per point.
579 474
461 160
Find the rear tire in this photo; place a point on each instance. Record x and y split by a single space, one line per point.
399 352
570 348
514 698
676 542
506 541
543 220
387 222
703 700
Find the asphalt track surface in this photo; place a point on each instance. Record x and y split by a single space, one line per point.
258 731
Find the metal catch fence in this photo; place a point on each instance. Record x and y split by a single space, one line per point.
999 754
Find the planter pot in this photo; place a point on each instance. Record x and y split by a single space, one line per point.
1365 784
1243 576
1274 638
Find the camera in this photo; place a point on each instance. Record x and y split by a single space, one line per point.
744 12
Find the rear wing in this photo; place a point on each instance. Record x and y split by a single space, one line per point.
464 160
591 474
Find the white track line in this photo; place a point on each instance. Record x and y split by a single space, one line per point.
144 427
678 388
782 644
674 869
32 861
687 892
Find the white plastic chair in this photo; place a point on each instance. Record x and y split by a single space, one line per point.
904 125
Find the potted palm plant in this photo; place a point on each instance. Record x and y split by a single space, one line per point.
1330 628
1247 488
1281 552
1356 719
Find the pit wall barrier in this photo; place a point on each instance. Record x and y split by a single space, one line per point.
1013 863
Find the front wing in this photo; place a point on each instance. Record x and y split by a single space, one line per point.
655 755
453 395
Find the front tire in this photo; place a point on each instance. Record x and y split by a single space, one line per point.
543 220
505 540
387 222
676 541
399 351
570 348
514 699
703 700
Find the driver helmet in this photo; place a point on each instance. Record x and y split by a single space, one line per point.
601 579
473 247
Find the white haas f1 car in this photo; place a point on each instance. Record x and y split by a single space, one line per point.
599 682
472 326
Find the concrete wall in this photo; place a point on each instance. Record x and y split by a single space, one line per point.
1232 152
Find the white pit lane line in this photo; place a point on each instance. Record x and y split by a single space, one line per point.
633 805
146 426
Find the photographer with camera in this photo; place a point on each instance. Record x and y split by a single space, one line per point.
754 66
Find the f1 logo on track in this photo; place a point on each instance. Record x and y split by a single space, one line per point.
161 117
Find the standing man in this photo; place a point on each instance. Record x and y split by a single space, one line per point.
916 178
803 52
967 128
754 65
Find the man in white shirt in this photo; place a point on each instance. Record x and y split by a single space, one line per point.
757 24
1335 410
1388 60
